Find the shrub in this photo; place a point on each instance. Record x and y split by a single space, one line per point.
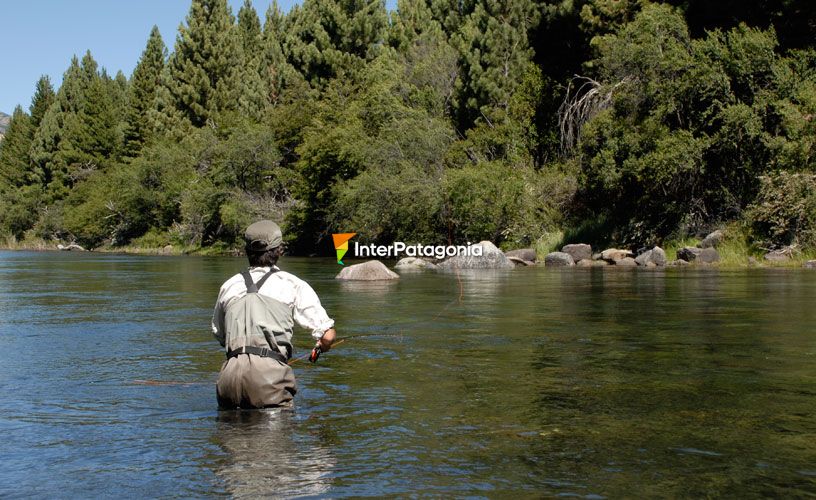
784 212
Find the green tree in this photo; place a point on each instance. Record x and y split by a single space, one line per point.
494 54
329 38
253 95
202 71
43 97
276 72
142 94
14 150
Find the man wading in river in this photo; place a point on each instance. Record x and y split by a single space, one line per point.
253 320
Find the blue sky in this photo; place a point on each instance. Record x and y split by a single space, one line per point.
41 36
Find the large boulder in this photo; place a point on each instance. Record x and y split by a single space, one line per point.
626 262
558 259
525 254
373 270
712 240
782 255
486 257
689 254
708 255
613 255
655 256
578 251
414 263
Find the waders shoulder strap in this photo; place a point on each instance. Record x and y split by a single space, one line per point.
253 287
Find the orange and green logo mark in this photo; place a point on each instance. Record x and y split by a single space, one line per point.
341 245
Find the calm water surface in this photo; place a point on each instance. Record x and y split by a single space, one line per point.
590 383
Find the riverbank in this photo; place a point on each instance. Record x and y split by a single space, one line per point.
735 253
41 245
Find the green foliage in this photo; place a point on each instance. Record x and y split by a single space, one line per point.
203 71
326 39
784 212
494 53
142 94
439 126
691 125
14 151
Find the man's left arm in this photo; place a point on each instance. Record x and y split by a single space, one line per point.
309 313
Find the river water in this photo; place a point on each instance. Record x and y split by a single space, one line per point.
533 382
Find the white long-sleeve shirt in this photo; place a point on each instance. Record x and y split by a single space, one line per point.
283 287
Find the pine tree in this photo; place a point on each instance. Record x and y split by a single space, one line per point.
203 69
58 153
451 14
276 72
411 19
252 92
494 53
329 38
142 94
43 97
14 150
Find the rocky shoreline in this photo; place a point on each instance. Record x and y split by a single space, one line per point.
581 255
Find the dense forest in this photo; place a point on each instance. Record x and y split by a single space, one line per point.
528 123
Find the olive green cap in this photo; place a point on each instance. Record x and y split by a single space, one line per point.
263 235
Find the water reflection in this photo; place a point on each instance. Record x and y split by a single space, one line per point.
266 453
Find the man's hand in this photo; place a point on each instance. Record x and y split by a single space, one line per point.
327 339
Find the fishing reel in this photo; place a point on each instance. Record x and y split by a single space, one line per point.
315 353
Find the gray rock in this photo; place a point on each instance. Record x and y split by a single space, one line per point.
689 254
490 258
708 256
599 263
713 240
526 254
587 262
680 263
811 264
558 259
520 262
578 251
626 262
613 255
414 263
656 256
168 249
752 261
373 270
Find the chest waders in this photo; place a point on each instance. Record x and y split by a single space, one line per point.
258 331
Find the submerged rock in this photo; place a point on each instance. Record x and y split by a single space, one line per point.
626 262
578 251
558 259
520 262
416 263
525 254
373 270
490 258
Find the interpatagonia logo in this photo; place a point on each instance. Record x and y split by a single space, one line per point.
341 245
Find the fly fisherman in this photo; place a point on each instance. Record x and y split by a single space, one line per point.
253 320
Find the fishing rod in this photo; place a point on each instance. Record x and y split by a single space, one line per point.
315 353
